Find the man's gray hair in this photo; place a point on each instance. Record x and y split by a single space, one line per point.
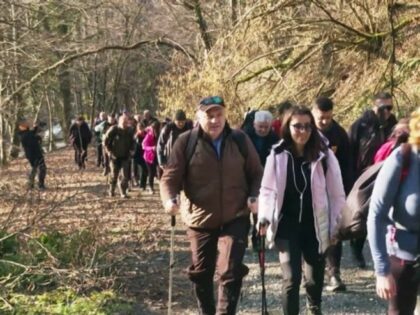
263 116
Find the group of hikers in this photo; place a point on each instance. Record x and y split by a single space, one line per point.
285 177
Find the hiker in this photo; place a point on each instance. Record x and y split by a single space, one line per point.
99 149
282 108
263 138
150 155
398 136
169 134
148 119
80 137
366 136
394 235
338 142
101 130
32 145
220 178
119 144
138 156
300 204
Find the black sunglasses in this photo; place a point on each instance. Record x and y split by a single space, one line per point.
302 127
212 100
385 107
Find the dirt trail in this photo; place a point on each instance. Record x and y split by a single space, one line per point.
139 234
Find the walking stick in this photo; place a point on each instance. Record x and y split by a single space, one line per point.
171 264
261 258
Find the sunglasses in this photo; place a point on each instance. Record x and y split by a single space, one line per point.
385 107
302 127
212 100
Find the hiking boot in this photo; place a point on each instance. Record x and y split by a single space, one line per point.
151 191
42 187
111 192
313 310
124 196
335 285
360 260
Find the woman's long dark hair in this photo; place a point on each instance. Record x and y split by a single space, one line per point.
314 145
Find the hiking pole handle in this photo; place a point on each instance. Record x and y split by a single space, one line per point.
173 220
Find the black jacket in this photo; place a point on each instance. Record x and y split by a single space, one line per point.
338 142
80 135
31 143
167 139
366 135
263 144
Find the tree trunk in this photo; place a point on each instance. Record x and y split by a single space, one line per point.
65 89
51 143
93 107
205 36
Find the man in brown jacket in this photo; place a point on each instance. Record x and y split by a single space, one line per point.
220 182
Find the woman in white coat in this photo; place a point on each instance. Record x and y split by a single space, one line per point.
300 203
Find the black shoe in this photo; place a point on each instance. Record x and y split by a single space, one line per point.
42 187
335 285
360 261
313 310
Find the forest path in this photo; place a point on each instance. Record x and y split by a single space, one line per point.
137 232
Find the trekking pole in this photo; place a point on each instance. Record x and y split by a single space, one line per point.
171 264
261 259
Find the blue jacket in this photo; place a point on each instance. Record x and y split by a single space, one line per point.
394 212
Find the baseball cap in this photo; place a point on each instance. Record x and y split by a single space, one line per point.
180 115
211 102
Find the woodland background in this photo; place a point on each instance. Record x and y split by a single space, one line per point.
73 250
63 58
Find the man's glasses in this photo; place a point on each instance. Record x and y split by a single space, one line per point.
385 107
212 100
302 127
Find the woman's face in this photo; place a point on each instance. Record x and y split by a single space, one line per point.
300 129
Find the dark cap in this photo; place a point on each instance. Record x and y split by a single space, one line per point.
180 115
211 102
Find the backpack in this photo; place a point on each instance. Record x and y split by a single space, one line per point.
238 137
355 212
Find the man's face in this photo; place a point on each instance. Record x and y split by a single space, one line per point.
383 108
323 120
180 124
102 116
262 128
123 122
212 121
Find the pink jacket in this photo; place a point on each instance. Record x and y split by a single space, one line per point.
384 151
328 197
149 146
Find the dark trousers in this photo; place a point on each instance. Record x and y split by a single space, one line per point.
117 165
357 247
99 155
140 163
37 166
151 172
106 158
404 302
333 259
291 252
80 155
222 251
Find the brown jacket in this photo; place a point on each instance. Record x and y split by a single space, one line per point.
215 190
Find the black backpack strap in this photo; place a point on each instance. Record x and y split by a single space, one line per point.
191 143
240 139
406 152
